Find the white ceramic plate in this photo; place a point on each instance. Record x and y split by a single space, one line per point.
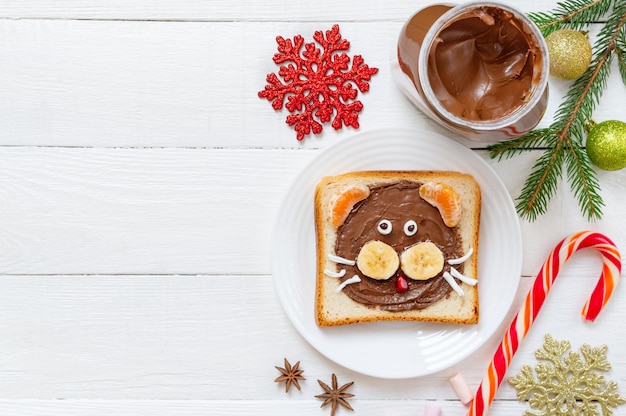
396 349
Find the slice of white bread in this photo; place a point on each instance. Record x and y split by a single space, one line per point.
334 307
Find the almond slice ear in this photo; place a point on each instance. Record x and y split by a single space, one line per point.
443 197
343 201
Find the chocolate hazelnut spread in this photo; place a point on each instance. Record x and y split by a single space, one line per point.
398 203
483 64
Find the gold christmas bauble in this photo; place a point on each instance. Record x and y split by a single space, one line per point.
606 145
569 52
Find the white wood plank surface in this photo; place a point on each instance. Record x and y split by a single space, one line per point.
242 407
196 211
173 84
140 177
219 10
170 338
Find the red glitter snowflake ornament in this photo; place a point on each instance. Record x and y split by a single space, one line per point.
318 83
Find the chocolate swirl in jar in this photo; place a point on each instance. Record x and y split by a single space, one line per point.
483 64
398 202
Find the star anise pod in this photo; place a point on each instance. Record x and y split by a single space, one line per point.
290 375
335 395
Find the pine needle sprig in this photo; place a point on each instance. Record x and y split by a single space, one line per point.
620 51
619 41
507 149
564 139
573 14
542 183
582 184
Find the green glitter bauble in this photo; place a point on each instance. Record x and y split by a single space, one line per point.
606 145
570 53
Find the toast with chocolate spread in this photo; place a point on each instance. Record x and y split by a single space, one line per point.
397 246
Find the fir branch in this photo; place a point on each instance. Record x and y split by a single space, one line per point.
541 184
620 51
612 37
565 137
574 113
573 14
509 148
584 184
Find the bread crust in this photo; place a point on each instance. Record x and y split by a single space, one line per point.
333 309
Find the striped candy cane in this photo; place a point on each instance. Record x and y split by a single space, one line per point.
611 269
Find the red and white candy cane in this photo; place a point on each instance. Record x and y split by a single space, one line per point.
611 269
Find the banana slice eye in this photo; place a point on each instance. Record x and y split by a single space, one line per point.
422 261
384 227
410 228
378 260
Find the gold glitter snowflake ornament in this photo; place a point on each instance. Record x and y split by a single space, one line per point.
567 382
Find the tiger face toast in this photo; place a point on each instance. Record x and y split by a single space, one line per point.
397 245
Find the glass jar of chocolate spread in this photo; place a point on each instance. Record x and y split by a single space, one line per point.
480 69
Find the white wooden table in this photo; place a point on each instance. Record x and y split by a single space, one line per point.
140 176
